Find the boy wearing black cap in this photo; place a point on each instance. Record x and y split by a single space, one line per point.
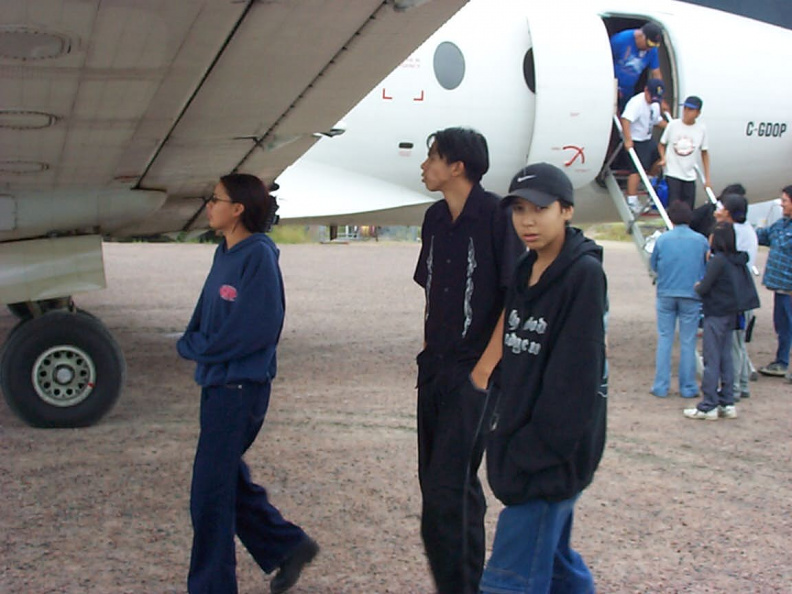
687 139
547 432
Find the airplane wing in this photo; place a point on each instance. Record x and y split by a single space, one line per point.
146 104
118 117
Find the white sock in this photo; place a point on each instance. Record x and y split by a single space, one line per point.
631 200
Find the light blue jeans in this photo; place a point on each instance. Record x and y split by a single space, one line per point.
531 552
688 311
740 358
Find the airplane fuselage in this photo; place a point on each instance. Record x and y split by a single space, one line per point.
537 81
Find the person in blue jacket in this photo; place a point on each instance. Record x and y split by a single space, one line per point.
233 336
633 51
679 259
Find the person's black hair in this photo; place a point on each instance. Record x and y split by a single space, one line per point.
787 190
652 31
723 238
465 145
737 206
249 191
733 189
703 219
679 212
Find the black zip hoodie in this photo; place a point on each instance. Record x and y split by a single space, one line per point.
548 429
720 288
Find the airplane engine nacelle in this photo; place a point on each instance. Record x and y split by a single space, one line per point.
575 92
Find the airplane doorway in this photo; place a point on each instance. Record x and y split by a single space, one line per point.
616 23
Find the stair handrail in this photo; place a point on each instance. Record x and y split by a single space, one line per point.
644 178
707 189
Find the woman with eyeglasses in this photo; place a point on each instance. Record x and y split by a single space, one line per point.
233 336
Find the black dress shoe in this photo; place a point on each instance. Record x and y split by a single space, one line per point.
292 567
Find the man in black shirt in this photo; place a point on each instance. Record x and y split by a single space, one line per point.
467 257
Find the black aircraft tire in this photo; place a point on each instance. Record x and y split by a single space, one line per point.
79 370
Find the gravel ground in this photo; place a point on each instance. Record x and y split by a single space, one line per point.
676 506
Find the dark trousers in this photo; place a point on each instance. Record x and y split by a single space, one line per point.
717 381
679 189
449 456
224 500
782 323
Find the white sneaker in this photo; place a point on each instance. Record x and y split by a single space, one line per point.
727 412
695 413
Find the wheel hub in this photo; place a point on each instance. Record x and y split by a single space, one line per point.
64 375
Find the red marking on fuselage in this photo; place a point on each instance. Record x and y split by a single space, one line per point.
579 152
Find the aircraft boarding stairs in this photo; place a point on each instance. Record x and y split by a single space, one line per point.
647 222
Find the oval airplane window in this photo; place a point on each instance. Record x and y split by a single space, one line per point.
449 65
529 71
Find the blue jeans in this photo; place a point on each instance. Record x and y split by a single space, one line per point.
687 310
782 323
740 358
531 552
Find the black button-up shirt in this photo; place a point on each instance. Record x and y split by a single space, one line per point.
464 267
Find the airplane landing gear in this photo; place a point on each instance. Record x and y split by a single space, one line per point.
61 369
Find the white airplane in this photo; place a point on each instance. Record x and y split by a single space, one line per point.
119 117
536 78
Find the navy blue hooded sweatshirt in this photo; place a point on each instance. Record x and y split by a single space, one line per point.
548 430
234 330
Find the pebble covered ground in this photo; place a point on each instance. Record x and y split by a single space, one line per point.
677 505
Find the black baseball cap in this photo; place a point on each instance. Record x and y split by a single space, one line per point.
653 32
693 102
541 184
656 89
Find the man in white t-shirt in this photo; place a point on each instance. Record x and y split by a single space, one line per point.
640 116
680 146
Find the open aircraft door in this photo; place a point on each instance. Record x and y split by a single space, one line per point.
575 91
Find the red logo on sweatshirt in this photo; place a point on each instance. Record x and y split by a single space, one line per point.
228 293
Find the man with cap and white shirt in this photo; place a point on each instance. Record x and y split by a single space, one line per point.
547 432
640 116
633 51
687 139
